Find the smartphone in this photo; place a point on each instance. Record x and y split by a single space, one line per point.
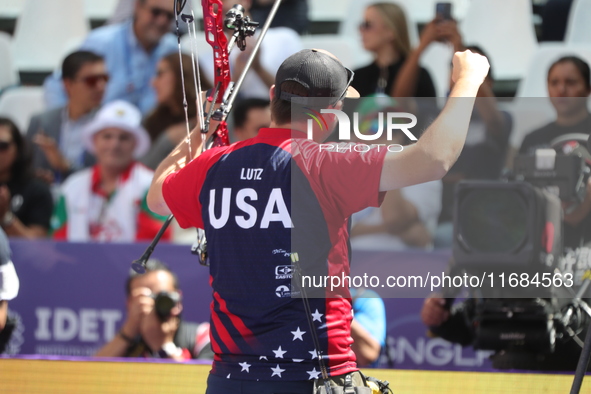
443 11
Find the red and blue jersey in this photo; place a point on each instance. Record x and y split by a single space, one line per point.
260 201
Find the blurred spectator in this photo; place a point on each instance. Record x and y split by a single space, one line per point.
25 201
555 19
123 12
9 285
56 135
407 217
384 32
107 202
569 87
291 13
131 51
368 328
153 327
166 124
250 115
487 142
279 43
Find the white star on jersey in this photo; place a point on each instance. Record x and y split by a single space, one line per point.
245 366
277 371
263 358
317 316
279 352
313 374
297 334
313 353
228 377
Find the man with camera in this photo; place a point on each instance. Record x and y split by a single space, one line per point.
153 327
9 286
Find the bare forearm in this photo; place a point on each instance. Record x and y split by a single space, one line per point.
267 78
486 105
445 138
416 236
398 213
3 314
177 159
116 348
406 80
18 229
438 148
365 347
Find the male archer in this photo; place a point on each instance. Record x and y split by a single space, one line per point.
245 196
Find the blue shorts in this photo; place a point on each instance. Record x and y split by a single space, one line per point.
219 385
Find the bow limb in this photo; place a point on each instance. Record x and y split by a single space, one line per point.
213 24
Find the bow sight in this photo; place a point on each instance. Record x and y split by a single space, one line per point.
242 25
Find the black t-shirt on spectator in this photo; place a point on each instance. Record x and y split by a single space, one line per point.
541 138
366 80
31 202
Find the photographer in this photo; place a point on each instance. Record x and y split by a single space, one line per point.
153 327
9 285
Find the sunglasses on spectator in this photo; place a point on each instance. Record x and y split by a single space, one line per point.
157 12
4 145
366 25
92 80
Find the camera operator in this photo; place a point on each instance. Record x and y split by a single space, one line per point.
569 86
451 323
153 327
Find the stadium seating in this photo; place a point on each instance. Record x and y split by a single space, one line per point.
8 75
11 9
504 29
99 9
42 30
578 29
20 103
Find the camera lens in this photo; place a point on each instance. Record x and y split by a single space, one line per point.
493 221
164 302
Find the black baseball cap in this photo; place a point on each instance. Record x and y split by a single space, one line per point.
322 74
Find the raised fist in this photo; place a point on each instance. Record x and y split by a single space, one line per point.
470 66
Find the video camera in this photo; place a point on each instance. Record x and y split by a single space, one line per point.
512 231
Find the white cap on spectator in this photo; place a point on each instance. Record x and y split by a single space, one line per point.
121 115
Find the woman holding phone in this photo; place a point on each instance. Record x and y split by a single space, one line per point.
384 32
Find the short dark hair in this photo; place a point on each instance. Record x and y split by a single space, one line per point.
22 167
151 266
243 106
580 65
75 60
